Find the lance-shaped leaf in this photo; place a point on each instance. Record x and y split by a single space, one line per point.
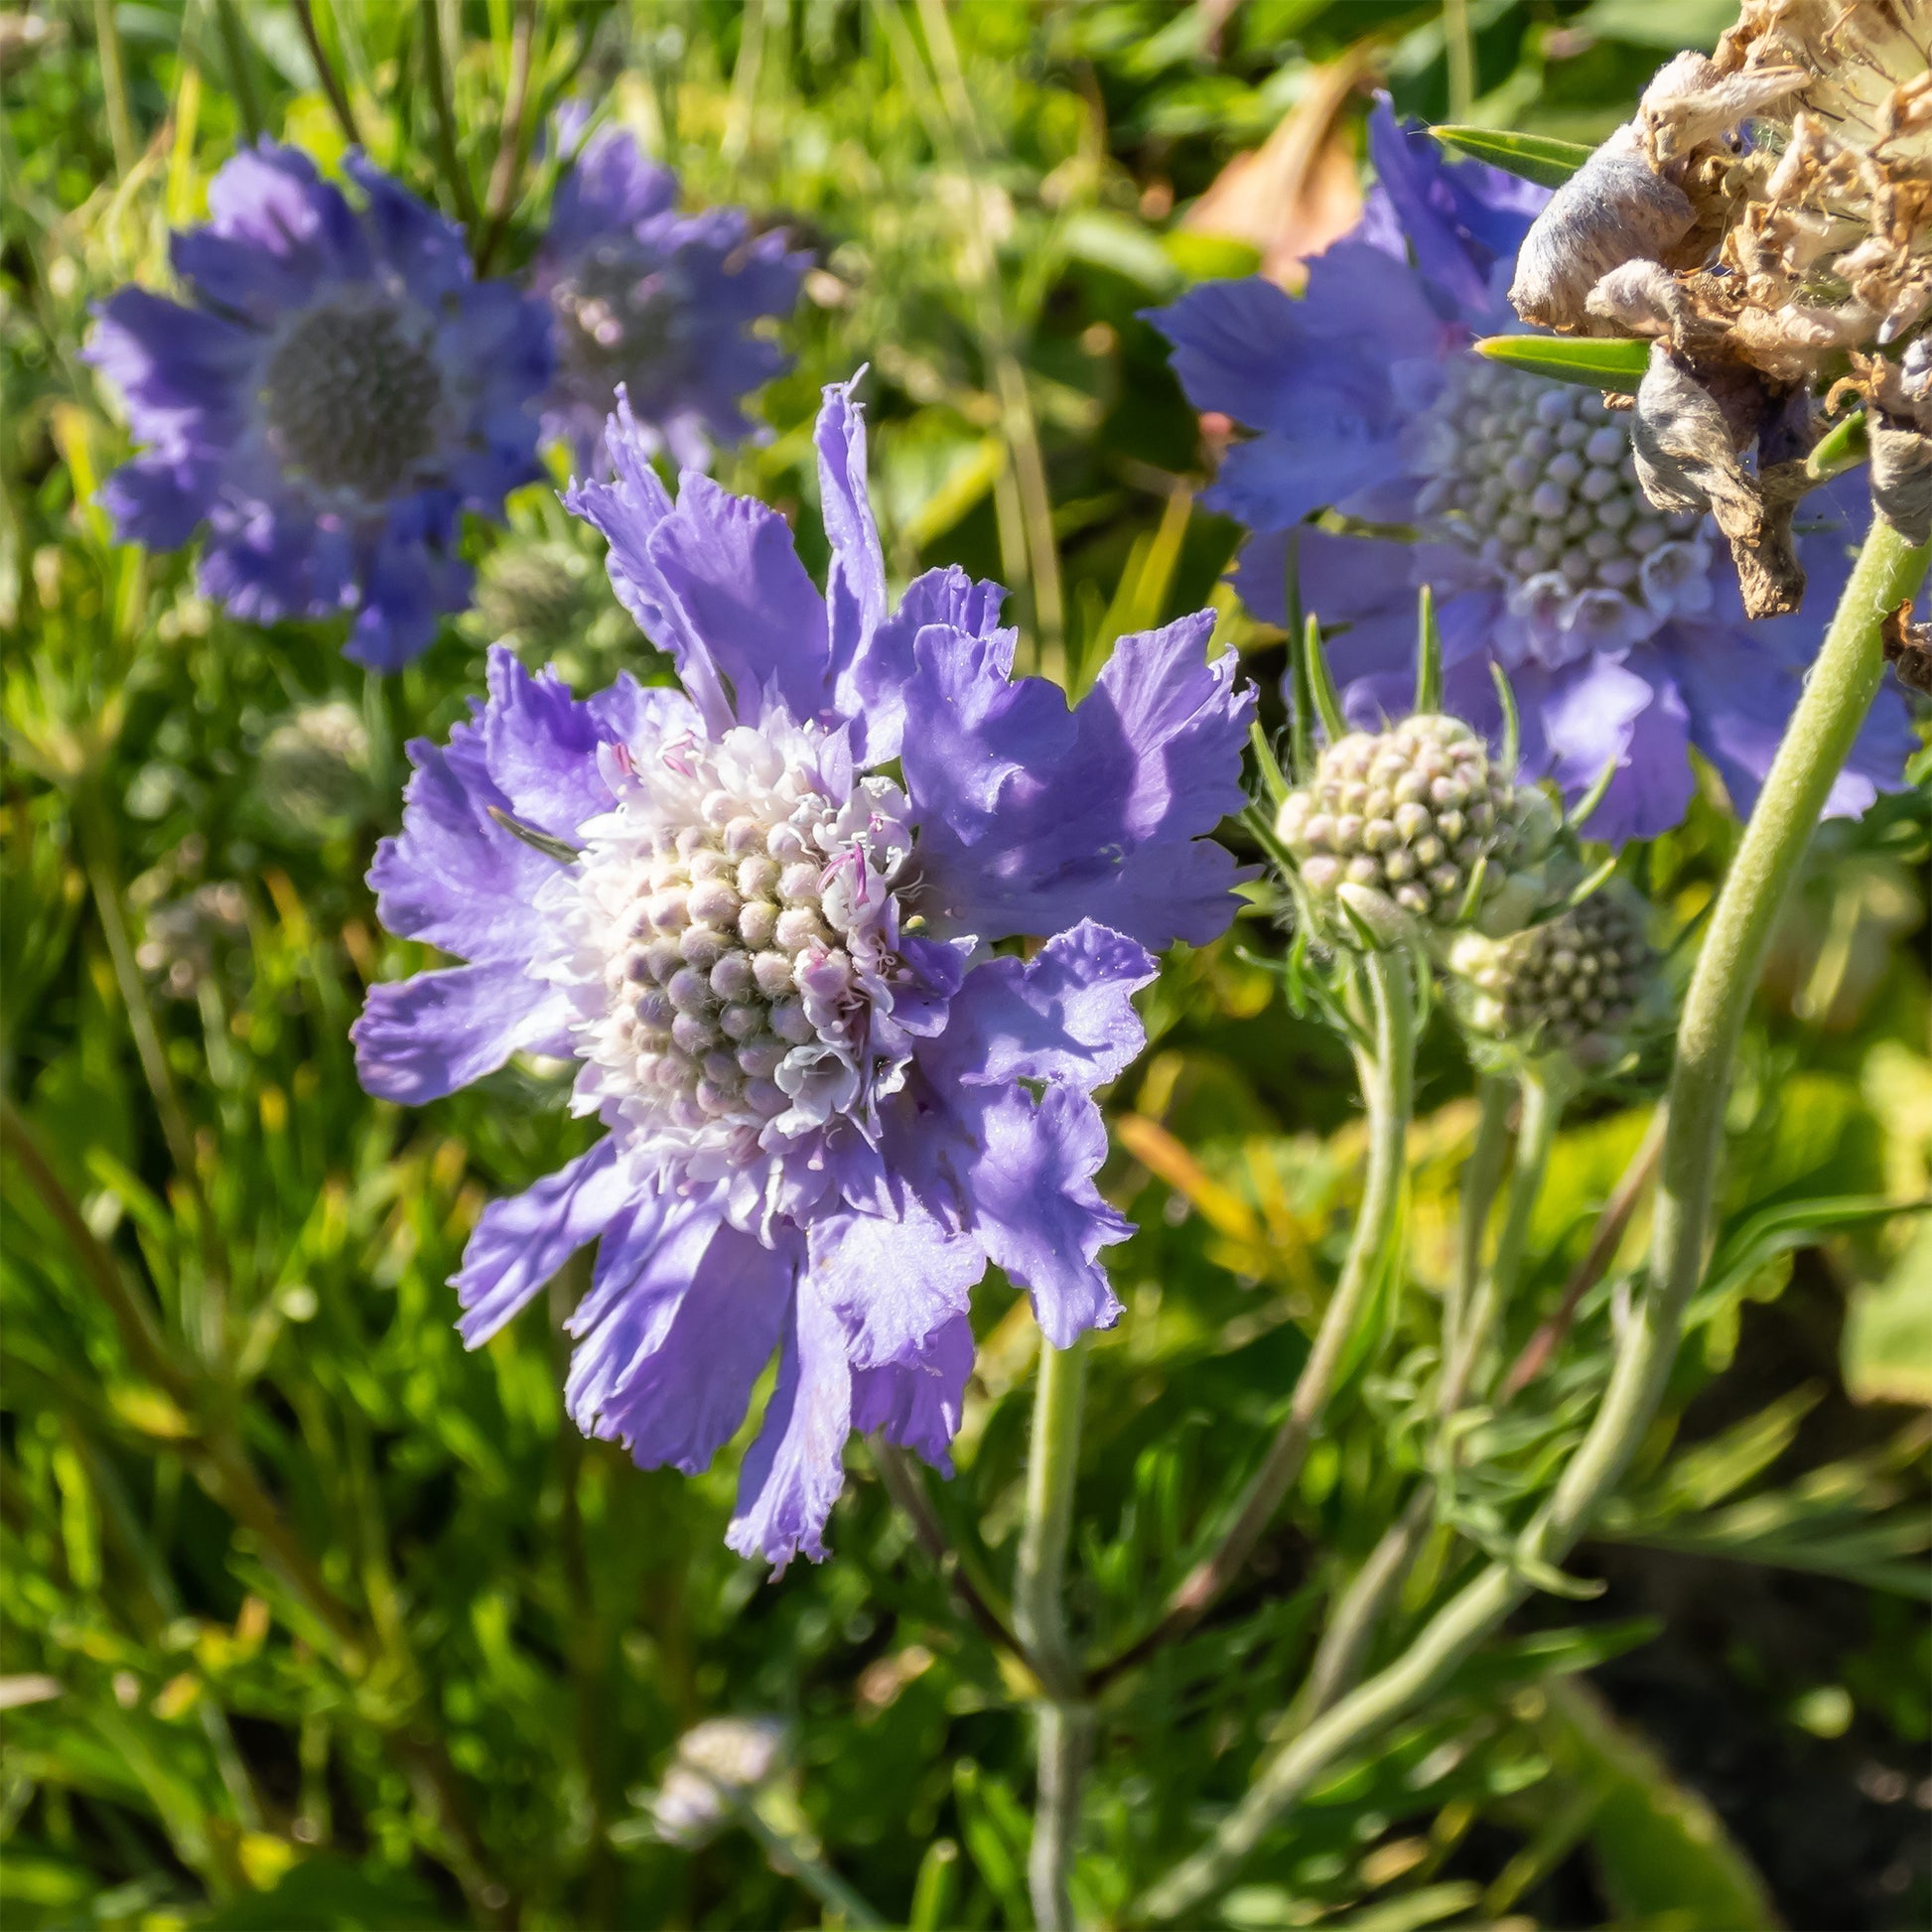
1615 363
1540 158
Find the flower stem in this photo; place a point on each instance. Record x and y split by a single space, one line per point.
1040 1617
1480 1179
437 73
1388 1095
113 82
1838 695
785 1853
1543 1100
326 74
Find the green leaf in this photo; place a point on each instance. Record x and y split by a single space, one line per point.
1841 449
1540 158
1594 361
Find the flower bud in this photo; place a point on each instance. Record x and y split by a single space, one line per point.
1574 985
1411 828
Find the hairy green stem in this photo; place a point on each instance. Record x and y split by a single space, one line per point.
1543 1099
1837 696
1387 1074
1481 1179
1039 1618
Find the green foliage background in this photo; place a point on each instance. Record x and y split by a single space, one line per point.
313 1619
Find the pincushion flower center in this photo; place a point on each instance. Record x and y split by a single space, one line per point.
1535 478
619 310
740 909
351 395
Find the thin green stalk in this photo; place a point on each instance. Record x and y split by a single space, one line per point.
1481 1179
435 71
1387 1076
113 83
1040 1617
1459 56
512 137
787 1854
1837 696
1542 1110
1351 1624
241 73
326 74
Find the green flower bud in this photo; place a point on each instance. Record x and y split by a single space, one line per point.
1575 985
1390 835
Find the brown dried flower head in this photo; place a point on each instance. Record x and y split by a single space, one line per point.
1767 219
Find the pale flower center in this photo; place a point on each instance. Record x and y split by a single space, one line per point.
737 921
1535 479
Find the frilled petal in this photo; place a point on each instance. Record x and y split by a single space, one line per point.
1739 701
1461 218
520 1242
1034 816
729 561
683 1319
795 1469
917 1403
629 511
429 249
611 187
272 197
541 746
454 877
1595 713
423 1038
1034 1204
1273 481
871 689
406 587
894 1277
158 503
855 587
1065 1015
172 364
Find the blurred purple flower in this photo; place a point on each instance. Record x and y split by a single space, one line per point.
660 302
340 392
757 910
1620 628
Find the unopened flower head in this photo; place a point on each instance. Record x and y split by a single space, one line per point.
341 391
1575 985
313 772
1768 218
1411 829
550 603
1620 626
662 303
758 911
720 1764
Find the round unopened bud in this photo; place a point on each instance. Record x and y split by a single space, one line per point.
1572 985
1413 827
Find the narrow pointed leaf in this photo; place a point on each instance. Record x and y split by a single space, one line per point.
1274 781
1593 797
1841 449
1540 158
1429 653
1596 363
1512 720
1321 682
539 841
1301 699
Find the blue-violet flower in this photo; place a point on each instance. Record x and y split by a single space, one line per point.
757 910
341 391
1620 628
657 301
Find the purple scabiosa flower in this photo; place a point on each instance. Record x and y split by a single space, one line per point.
341 390
1620 628
660 302
758 911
